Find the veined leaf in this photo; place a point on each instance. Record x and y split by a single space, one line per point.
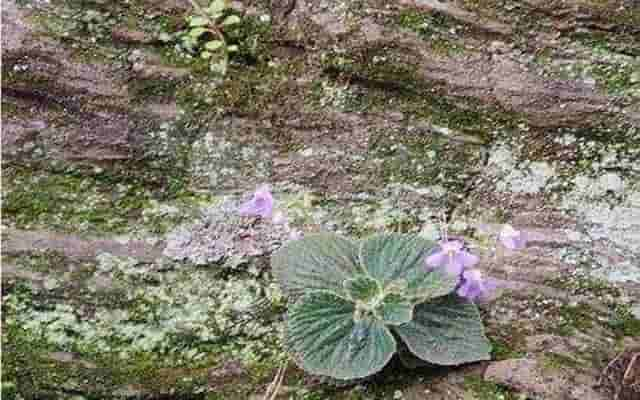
446 331
316 262
197 32
198 21
213 45
326 340
398 260
216 7
361 288
409 360
231 20
395 310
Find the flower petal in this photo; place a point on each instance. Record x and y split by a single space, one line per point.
279 218
437 259
452 246
261 204
454 266
295 235
467 259
513 239
490 286
474 287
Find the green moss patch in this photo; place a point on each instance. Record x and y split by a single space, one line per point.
424 158
580 317
390 80
483 390
624 323
89 200
68 201
434 28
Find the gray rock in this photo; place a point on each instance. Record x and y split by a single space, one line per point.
223 236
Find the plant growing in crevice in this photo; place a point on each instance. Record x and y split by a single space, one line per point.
353 301
206 34
354 304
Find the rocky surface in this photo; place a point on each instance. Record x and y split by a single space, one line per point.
126 273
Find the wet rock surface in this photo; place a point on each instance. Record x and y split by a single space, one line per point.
126 273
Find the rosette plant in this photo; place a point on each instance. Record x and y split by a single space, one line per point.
351 302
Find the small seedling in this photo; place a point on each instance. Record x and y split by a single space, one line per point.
206 34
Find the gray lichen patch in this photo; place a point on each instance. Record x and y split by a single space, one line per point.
145 316
426 155
514 176
223 237
610 211
221 157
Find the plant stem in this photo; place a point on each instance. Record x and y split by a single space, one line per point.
199 9
215 29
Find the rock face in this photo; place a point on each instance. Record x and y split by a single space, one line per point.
126 273
527 376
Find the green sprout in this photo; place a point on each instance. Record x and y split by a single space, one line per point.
206 34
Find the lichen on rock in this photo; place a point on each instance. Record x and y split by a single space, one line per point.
517 176
610 210
223 237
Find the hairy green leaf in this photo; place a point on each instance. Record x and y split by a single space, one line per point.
398 260
409 360
395 310
446 331
316 262
361 288
326 340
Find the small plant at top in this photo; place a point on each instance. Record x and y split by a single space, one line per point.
206 34
352 301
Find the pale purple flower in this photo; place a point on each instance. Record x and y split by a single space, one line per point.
279 218
295 235
452 256
474 286
513 239
261 204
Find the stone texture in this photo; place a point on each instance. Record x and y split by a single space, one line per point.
527 376
364 117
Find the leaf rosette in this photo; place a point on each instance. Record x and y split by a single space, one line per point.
352 301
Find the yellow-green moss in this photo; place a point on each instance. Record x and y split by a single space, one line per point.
580 317
623 323
555 361
390 80
483 390
433 27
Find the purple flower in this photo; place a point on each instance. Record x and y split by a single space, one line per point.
513 239
261 204
452 256
279 218
474 286
295 235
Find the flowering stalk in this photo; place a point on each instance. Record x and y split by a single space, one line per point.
454 257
